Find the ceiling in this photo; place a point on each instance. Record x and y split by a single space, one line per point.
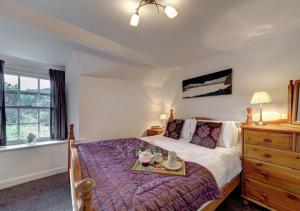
203 28
30 44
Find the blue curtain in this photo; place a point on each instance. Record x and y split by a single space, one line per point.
2 107
58 116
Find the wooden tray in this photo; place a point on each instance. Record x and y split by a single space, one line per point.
159 169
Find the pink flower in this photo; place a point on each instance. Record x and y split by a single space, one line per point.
203 131
216 133
174 135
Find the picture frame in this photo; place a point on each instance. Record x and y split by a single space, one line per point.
213 84
296 103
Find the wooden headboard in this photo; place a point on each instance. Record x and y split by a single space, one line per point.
171 116
202 118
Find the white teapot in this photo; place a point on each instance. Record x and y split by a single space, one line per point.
145 156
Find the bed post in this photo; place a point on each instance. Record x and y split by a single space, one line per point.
171 117
71 144
81 189
85 188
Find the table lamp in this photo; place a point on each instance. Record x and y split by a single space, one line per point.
163 118
260 97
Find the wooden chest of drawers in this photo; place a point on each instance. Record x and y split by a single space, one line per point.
271 166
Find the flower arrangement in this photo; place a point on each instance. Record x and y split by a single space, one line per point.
153 152
153 149
30 138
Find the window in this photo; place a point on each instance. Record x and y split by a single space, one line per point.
27 101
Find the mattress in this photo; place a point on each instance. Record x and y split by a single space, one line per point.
223 163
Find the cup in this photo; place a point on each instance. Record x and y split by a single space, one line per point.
172 158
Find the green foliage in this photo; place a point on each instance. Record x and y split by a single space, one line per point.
31 119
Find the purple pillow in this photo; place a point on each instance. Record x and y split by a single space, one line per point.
174 128
207 134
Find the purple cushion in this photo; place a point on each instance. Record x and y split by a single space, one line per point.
207 134
173 129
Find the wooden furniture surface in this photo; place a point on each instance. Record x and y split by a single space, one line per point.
271 166
155 131
296 103
290 101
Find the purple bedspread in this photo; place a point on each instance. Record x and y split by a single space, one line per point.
119 188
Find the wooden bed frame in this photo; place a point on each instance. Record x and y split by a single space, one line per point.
82 188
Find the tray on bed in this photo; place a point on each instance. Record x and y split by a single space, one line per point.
160 169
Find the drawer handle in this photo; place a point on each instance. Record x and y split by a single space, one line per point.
258 164
264 173
267 140
267 155
264 195
290 196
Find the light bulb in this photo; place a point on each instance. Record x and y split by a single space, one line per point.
171 12
134 19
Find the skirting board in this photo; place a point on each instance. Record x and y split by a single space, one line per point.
30 177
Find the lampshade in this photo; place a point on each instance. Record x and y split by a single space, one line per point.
171 12
261 97
163 117
134 20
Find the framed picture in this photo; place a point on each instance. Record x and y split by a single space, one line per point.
296 103
218 83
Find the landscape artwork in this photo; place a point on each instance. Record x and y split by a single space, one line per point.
218 83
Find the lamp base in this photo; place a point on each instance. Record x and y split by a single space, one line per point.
260 122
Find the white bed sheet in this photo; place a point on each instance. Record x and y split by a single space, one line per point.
223 163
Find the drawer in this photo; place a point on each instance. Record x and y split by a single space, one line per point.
269 139
272 197
274 175
153 133
275 156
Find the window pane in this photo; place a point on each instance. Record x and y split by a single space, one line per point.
11 115
28 84
28 115
12 132
11 82
25 129
11 99
44 130
28 99
45 116
44 100
44 86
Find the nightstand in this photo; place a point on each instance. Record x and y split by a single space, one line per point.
155 131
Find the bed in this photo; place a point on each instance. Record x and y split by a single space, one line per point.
223 163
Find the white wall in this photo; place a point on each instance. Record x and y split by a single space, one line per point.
23 165
26 164
111 108
268 64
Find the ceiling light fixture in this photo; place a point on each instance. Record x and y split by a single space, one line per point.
169 11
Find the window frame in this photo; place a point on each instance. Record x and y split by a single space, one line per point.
37 93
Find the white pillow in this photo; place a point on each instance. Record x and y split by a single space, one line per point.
188 129
193 128
229 133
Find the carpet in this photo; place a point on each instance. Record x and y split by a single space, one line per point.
53 194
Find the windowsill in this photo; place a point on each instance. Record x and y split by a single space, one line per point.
27 146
